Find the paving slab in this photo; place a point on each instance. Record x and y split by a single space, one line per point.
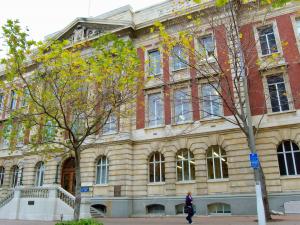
178 220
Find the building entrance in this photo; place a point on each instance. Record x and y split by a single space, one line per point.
68 180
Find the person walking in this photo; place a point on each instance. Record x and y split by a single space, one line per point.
189 206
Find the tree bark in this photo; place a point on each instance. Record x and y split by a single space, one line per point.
77 186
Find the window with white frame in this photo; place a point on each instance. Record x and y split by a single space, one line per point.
155 110
182 106
111 125
13 100
298 27
39 177
15 176
179 58
49 131
154 62
210 100
217 167
6 135
185 165
157 168
267 40
207 46
102 171
1 101
218 208
288 158
277 93
2 173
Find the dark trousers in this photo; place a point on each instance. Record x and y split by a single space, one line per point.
190 215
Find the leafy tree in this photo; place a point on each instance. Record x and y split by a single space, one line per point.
225 69
67 93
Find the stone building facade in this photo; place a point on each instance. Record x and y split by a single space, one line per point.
146 165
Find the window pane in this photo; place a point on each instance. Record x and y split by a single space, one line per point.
217 168
157 172
290 163
211 101
151 172
274 99
297 162
182 106
179 171
155 109
154 62
178 58
103 175
207 44
298 27
280 149
287 146
224 168
283 97
281 164
186 170
210 169
163 171
264 45
98 174
192 165
272 43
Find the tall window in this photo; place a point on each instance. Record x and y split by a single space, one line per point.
207 46
154 62
13 100
182 106
211 101
298 27
2 172
102 171
217 167
49 131
155 110
6 135
267 40
178 58
25 97
185 165
288 158
111 125
15 176
39 177
1 101
20 135
157 168
278 95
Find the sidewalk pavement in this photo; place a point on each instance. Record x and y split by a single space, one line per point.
178 220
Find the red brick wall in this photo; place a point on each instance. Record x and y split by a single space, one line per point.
140 108
255 84
222 53
167 97
291 54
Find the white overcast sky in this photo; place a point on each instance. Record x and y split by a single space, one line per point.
44 17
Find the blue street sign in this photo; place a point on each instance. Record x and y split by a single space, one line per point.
254 161
85 189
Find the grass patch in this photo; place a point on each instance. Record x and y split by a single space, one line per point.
80 222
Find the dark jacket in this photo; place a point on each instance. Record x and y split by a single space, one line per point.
188 200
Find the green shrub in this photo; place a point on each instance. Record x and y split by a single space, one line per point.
80 222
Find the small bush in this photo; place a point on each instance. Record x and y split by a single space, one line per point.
80 222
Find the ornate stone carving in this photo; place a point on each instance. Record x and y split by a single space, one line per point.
81 33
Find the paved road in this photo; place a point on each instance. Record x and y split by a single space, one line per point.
282 220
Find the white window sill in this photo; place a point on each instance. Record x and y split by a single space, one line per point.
211 119
109 133
178 70
182 123
281 112
100 185
156 183
287 177
269 55
186 182
159 75
155 127
217 180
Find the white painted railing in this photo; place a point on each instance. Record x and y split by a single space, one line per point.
7 199
35 192
66 197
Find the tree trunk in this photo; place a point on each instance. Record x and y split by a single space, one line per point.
77 186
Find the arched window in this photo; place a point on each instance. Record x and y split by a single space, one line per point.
217 167
15 175
39 177
2 172
157 168
102 171
288 158
185 165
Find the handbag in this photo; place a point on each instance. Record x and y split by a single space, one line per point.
186 209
